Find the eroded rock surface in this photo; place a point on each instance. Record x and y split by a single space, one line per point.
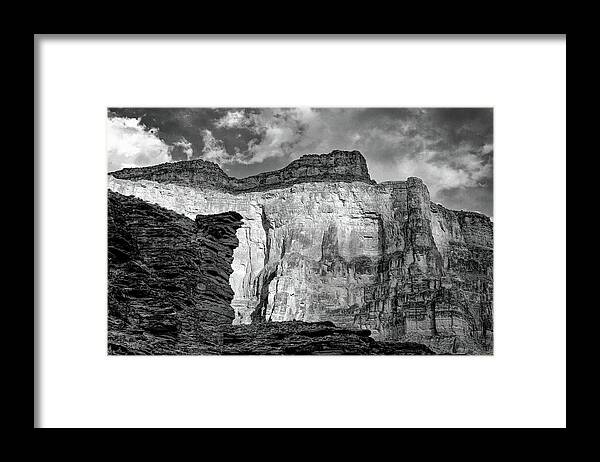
168 276
310 338
380 257
168 292
335 166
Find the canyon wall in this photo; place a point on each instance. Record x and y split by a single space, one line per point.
168 292
319 244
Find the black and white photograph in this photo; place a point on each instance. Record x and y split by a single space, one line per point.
300 231
296 231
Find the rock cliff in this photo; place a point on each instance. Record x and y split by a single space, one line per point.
168 292
335 166
320 241
168 276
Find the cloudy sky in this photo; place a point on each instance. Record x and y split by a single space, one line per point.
450 149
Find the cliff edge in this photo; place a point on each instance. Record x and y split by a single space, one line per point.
346 166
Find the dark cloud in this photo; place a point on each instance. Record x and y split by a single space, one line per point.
474 198
235 140
450 148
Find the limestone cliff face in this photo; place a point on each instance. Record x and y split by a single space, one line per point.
380 257
168 292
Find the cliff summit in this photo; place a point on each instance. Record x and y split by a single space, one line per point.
345 166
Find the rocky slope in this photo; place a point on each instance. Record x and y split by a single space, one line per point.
319 245
168 292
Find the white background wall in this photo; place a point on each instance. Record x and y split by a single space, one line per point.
523 384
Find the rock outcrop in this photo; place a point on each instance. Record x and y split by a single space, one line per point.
168 276
380 257
310 338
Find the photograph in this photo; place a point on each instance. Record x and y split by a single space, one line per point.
295 231
300 231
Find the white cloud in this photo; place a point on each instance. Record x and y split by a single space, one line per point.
466 171
233 119
130 145
185 146
282 130
279 131
213 150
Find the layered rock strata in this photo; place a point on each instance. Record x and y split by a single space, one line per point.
335 166
310 338
168 276
380 257
168 292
